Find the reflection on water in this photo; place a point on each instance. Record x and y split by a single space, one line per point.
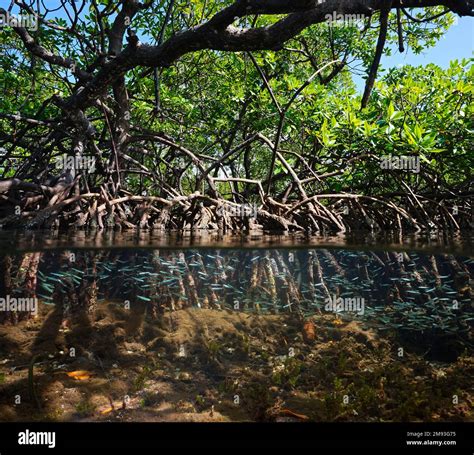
441 242
236 334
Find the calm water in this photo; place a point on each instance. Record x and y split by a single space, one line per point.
414 295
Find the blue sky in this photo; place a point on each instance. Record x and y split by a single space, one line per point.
458 43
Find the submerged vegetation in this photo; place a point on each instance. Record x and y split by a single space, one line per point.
231 335
261 369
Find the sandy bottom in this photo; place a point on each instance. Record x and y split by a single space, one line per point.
209 365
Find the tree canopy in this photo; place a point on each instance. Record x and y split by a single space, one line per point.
191 109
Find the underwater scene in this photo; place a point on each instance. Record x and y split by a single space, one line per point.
236 334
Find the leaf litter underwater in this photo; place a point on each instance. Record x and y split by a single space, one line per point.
236 335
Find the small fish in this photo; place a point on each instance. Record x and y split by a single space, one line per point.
57 280
47 287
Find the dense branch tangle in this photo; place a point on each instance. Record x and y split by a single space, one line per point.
180 187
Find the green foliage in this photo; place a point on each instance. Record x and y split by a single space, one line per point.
85 408
210 101
289 374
